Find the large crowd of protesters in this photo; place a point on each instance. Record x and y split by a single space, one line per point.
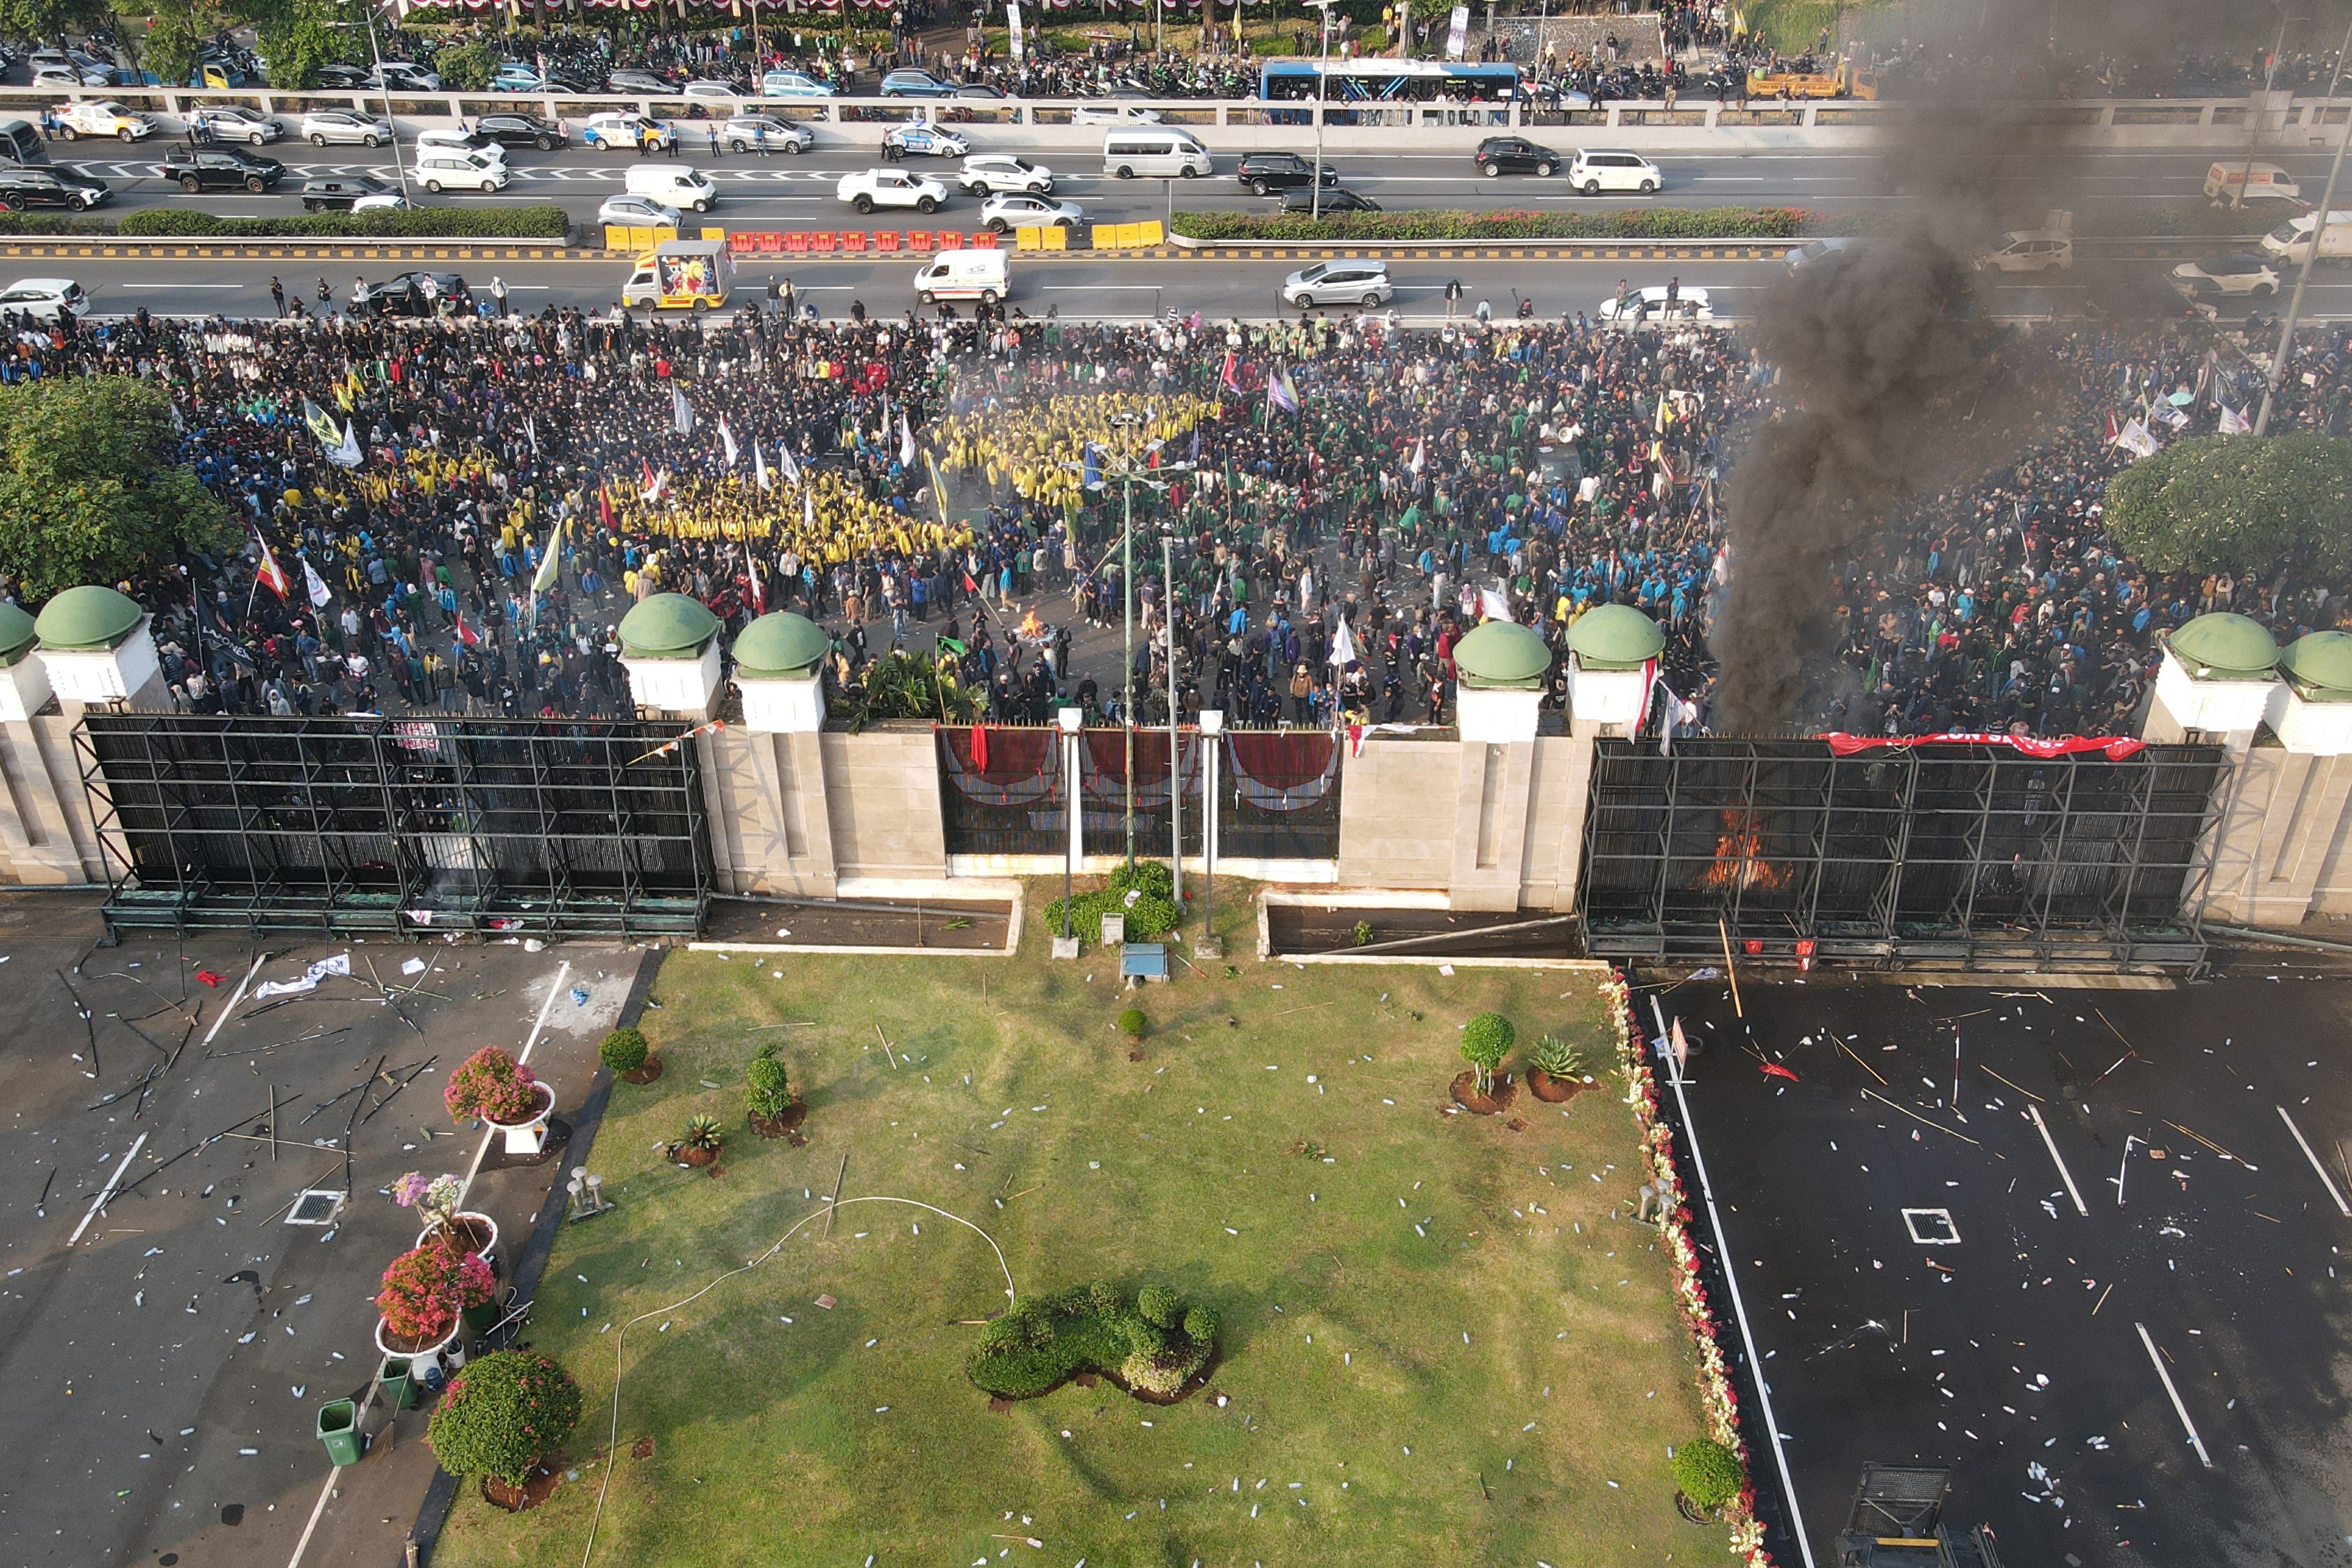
955 490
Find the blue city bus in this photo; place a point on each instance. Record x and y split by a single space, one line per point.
1362 86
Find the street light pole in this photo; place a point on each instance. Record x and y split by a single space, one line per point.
1175 774
1127 700
391 121
2255 120
1322 79
2311 257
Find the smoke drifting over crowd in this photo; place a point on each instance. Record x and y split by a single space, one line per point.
1894 378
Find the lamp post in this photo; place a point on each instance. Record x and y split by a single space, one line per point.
1072 721
1322 76
1206 942
391 121
2311 257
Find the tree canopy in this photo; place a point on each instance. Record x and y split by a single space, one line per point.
88 487
2237 503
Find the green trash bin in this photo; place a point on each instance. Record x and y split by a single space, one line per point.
339 1429
400 1390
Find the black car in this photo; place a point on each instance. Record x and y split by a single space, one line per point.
336 192
1515 155
570 78
21 188
345 79
406 295
1267 173
517 129
1332 199
195 169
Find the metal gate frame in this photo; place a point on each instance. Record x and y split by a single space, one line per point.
409 828
1905 857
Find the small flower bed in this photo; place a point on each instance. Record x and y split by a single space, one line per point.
1152 1344
491 1085
1717 1396
1144 893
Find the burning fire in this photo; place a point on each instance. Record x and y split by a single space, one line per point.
1031 627
1740 862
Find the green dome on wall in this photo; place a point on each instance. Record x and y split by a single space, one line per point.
2319 667
1501 654
667 625
86 617
2226 646
1614 637
16 634
781 644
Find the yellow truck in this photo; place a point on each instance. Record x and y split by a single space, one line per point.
1804 84
682 275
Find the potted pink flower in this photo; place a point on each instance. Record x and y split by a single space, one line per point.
435 1201
425 1293
491 1085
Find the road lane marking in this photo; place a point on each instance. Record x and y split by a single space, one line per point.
2034 1112
107 1192
2325 1179
2179 1409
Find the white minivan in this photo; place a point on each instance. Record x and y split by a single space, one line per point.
440 168
965 275
1598 170
1156 153
672 185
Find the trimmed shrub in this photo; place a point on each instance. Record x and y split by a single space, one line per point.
1708 1473
1091 1327
1144 893
623 1051
1130 1022
1557 1058
492 1085
1486 1041
54 223
531 221
1632 223
768 1091
502 1413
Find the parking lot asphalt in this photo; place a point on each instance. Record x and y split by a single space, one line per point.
167 1333
1924 1287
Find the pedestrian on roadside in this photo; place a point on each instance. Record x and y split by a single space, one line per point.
498 295
278 297
712 132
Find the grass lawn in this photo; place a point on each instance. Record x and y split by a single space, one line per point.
1438 1346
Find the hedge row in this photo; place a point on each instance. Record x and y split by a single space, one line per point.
1628 223
1149 913
537 221
1153 1342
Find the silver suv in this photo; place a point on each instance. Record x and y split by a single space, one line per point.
1364 283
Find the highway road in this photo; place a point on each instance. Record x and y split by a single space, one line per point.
784 192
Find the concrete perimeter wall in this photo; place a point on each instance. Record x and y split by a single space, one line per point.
47 837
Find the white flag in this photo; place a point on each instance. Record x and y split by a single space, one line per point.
347 455
759 465
2233 423
808 508
1419 455
531 428
1343 646
318 590
1493 604
2135 438
906 442
727 441
792 470
681 413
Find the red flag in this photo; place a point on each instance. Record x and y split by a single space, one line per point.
969 585
466 633
1774 1069
2114 430
1232 373
208 977
605 507
980 747
272 576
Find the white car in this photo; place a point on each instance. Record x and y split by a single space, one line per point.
321 126
1594 171
619 130
2238 272
709 89
922 138
985 171
750 132
42 297
400 76
233 122
454 141
1113 114
1015 209
440 168
637 212
792 84
1648 307
61 73
104 117
891 188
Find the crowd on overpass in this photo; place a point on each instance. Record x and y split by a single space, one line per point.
905 481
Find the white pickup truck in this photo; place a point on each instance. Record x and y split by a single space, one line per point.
891 188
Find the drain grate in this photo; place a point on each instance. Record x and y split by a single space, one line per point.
315 1207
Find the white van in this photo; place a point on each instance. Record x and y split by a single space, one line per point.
1157 153
672 185
965 275
2291 241
439 168
1598 170
2260 182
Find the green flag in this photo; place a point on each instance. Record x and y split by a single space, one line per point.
950 644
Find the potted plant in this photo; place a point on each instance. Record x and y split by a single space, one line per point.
491 1085
1555 1070
624 1051
700 1146
1708 1475
1486 1041
774 1110
425 1293
499 1418
435 1201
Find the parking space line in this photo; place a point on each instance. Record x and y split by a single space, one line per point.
2177 1408
2325 1179
107 1192
2034 1112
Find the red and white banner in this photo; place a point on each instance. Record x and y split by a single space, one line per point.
2115 748
1283 770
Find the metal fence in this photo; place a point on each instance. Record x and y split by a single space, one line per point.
407 825
1003 791
1952 855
